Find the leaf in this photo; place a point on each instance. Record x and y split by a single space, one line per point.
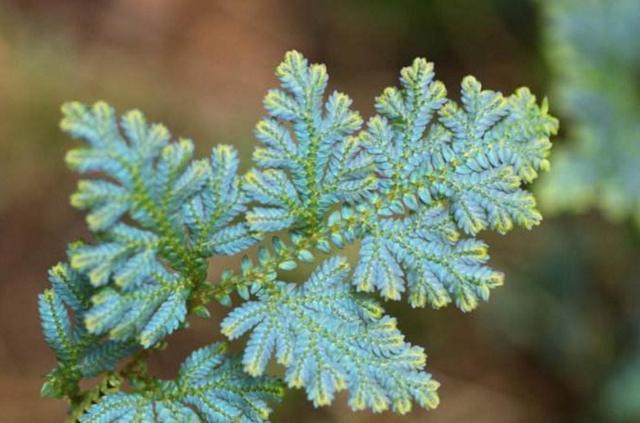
476 156
330 339
378 268
423 255
210 388
158 215
56 326
308 160
209 215
79 353
498 149
443 168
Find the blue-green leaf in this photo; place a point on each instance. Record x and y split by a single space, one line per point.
330 339
210 387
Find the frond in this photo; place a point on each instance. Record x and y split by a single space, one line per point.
422 157
475 155
158 215
330 339
210 388
308 160
421 255
442 169
79 353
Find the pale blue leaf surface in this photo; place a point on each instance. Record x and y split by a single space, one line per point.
158 215
210 387
329 339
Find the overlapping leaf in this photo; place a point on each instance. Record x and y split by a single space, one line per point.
210 387
330 339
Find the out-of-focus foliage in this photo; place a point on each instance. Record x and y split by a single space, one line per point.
574 306
593 49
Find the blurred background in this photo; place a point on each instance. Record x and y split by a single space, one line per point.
558 343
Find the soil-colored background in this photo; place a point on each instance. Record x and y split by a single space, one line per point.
541 350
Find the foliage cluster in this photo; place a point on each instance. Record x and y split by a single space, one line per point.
413 187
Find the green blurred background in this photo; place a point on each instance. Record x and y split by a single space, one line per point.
557 343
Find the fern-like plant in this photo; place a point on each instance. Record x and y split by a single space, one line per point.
593 50
414 187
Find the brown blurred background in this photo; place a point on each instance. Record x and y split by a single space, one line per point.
541 351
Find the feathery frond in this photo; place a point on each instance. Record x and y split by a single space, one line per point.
330 339
180 213
80 354
444 168
309 159
210 388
